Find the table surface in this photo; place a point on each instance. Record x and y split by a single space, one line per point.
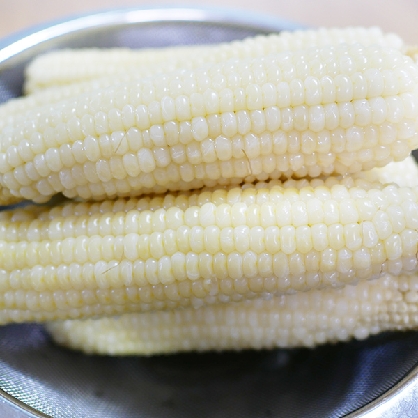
400 16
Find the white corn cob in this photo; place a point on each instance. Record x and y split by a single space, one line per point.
304 113
304 319
197 248
118 61
69 66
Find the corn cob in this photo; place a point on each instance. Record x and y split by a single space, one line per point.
197 248
156 60
305 113
69 66
304 319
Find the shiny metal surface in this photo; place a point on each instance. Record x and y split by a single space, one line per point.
400 401
15 51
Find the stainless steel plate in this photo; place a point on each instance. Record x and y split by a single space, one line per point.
371 378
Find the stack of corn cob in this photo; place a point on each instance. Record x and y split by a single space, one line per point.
254 194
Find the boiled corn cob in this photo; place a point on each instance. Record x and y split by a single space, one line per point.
306 113
69 66
118 62
304 319
206 247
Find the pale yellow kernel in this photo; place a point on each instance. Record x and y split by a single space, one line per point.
117 168
379 110
267 215
207 273
363 112
207 215
227 241
151 271
222 215
250 271
197 104
242 238
315 211
269 94
328 90
409 242
288 239
170 242
130 246
283 94
347 114
348 211
256 239
301 118
200 128
223 147
253 215
332 116
211 239
331 210
382 224
303 239
312 91
272 118
115 120
53 159
211 99
258 121
142 117
146 160
344 88
193 152
178 266
410 102
297 269
319 237
161 157
361 259
359 86
353 236
344 260
156 245
396 218
192 266
297 92
234 266
131 164
393 247
185 132
101 123
254 97
336 236
375 82
284 213
299 214
229 124
238 214
265 265
272 239
316 118
174 218
165 273
328 260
